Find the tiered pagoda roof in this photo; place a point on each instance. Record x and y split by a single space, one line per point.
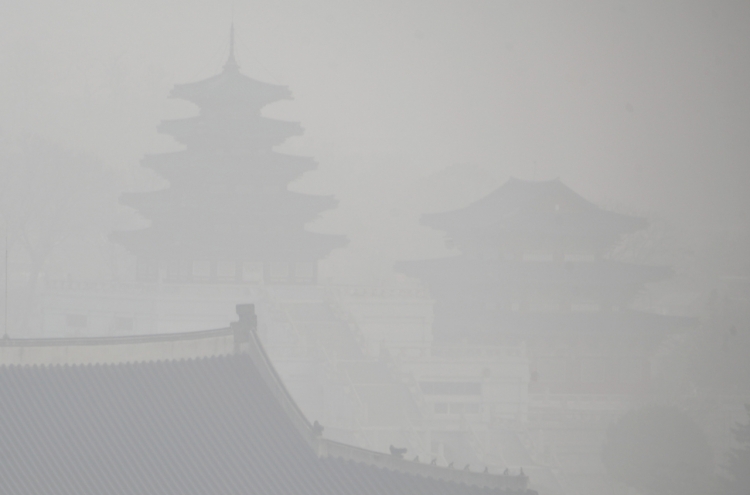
227 196
528 249
523 218
538 212
499 275
192 413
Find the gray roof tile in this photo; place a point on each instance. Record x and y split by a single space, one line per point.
188 427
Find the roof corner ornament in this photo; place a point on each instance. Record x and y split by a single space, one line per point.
247 324
247 316
317 428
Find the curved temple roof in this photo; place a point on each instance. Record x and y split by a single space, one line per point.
191 413
529 205
227 198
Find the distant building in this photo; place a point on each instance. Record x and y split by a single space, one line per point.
188 413
228 231
533 270
227 216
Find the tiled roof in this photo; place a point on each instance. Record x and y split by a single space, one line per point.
231 87
211 425
548 207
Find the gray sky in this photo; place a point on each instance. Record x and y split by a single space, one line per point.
638 104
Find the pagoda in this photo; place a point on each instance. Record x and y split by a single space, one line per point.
534 268
227 215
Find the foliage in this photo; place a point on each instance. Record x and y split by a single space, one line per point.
718 359
659 450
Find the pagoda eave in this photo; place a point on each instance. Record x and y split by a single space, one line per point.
231 89
245 164
247 208
497 274
533 206
548 325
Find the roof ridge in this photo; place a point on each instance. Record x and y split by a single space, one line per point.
134 362
324 448
112 339
57 371
118 349
382 460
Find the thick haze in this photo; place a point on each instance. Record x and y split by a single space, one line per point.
635 105
409 107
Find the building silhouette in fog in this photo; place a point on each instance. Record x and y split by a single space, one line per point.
531 347
533 268
227 230
227 215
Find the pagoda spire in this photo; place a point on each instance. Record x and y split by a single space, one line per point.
255 224
231 61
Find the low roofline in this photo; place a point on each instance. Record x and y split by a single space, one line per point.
328 448
240 337
113 340
118 350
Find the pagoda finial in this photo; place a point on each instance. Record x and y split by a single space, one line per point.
231 62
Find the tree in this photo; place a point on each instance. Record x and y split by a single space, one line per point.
49 194
659 450
737 465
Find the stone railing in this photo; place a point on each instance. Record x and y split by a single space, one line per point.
91 286
166 288
346 291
